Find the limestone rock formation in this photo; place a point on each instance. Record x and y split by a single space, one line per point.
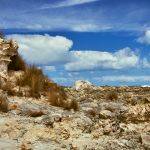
8 49
82 84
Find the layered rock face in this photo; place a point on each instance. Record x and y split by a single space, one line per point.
7 50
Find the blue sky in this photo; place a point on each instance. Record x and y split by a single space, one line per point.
104 41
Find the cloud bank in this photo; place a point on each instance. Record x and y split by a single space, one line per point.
90 60
123 78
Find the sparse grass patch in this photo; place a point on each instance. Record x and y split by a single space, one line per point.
92 112
57 97
74 105
40 84
35 79
8 87
112 95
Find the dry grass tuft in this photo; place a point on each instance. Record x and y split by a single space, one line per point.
8 87
36 80
57 97
74 105
112 95
35 113
92 112
40 84
3 103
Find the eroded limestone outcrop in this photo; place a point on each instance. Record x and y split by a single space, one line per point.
8 49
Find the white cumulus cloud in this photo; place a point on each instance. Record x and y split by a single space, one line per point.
145 39
90 60
43 49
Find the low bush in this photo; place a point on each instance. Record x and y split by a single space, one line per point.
74 105
112 95
8 88
57 97
91 112
3 103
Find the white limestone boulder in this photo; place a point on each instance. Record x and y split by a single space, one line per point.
81 85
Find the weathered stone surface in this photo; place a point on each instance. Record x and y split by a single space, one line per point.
7 49
82 85
6 144
105 114
146 140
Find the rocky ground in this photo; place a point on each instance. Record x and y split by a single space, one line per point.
104 121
